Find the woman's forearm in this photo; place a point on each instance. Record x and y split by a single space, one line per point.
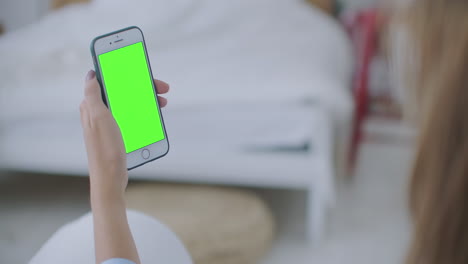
108 177
112 235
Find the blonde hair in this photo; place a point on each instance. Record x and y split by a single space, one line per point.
438 87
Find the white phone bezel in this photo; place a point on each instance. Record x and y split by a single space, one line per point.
115 41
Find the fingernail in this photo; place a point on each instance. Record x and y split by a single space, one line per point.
90 75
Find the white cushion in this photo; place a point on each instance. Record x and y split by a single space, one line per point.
74 243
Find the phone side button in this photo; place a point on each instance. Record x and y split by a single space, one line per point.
145 154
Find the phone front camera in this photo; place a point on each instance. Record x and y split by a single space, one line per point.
110 43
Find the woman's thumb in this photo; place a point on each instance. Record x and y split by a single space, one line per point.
92 89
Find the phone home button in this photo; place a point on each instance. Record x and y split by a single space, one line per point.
145 153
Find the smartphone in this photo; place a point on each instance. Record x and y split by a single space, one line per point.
124 73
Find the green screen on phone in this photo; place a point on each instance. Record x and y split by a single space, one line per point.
131 97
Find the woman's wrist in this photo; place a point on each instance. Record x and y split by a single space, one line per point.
106 197
106 193
108 207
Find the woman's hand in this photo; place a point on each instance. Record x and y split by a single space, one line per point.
104 145
108 174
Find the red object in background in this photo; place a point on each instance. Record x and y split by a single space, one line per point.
363 29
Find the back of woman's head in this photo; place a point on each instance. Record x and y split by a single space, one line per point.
437 83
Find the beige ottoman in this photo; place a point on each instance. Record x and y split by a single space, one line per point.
217 225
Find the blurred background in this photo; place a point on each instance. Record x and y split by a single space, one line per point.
284 123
